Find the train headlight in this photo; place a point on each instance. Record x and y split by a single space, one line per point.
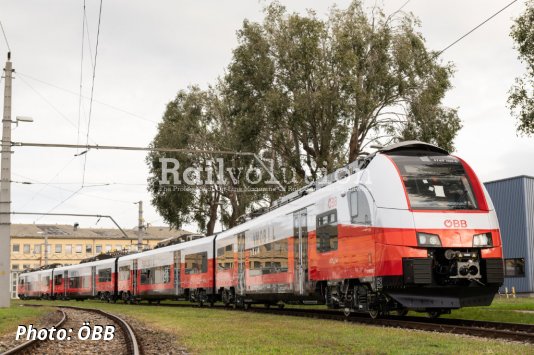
482 240
428 240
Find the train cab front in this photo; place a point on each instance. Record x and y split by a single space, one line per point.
452 256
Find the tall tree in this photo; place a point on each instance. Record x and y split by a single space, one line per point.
187 126
521 99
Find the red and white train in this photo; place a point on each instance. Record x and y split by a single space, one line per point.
411 228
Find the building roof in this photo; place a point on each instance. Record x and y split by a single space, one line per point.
65 231
510 178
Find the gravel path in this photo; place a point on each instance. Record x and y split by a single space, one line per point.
155 342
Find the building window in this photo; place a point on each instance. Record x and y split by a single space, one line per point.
514 267
48 248
78 248
37 249
108 248
196 263
25 266
98 249
118 247
16 248
68 248
58 248
26 249
15 267
88 248
326 231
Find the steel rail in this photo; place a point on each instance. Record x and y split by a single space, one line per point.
485 329
19 348
131 343
131 340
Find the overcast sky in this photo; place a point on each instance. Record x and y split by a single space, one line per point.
149 50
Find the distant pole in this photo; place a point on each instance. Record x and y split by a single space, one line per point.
140 227
5 189
46 250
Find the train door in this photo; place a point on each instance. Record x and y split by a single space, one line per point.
93 281
66 282
177 269
134 277
300 232
241 264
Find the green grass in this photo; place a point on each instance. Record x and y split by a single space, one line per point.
11 317
501 310
210 331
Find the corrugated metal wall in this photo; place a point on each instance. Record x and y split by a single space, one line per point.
509 199
529 217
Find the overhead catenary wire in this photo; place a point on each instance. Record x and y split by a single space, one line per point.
72 92
81 75
92 90
5 36
474 29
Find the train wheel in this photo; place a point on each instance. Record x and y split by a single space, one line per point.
375 313
402 312
267 305
433 314
281 306
246 306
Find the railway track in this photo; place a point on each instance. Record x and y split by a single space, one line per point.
123 342
493 330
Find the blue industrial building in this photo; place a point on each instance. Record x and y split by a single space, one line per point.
513 199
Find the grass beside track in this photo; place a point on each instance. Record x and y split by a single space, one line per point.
210 331
502 310
11 317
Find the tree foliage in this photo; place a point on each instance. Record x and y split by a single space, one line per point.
521 99
310 94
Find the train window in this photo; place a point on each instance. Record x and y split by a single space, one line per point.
196 263
58 280
104 275
360 212
326 232
124 273
514 267
156 275
269 258
435 182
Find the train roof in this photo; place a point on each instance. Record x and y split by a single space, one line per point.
413 145
172 247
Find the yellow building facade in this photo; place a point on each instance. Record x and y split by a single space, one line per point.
32 245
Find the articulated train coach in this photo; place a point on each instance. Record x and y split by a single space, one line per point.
409 228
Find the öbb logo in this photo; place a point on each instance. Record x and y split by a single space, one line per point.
455 223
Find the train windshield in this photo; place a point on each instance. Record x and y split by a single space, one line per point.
435 182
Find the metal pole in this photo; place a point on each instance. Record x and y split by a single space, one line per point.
5 190
140 227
